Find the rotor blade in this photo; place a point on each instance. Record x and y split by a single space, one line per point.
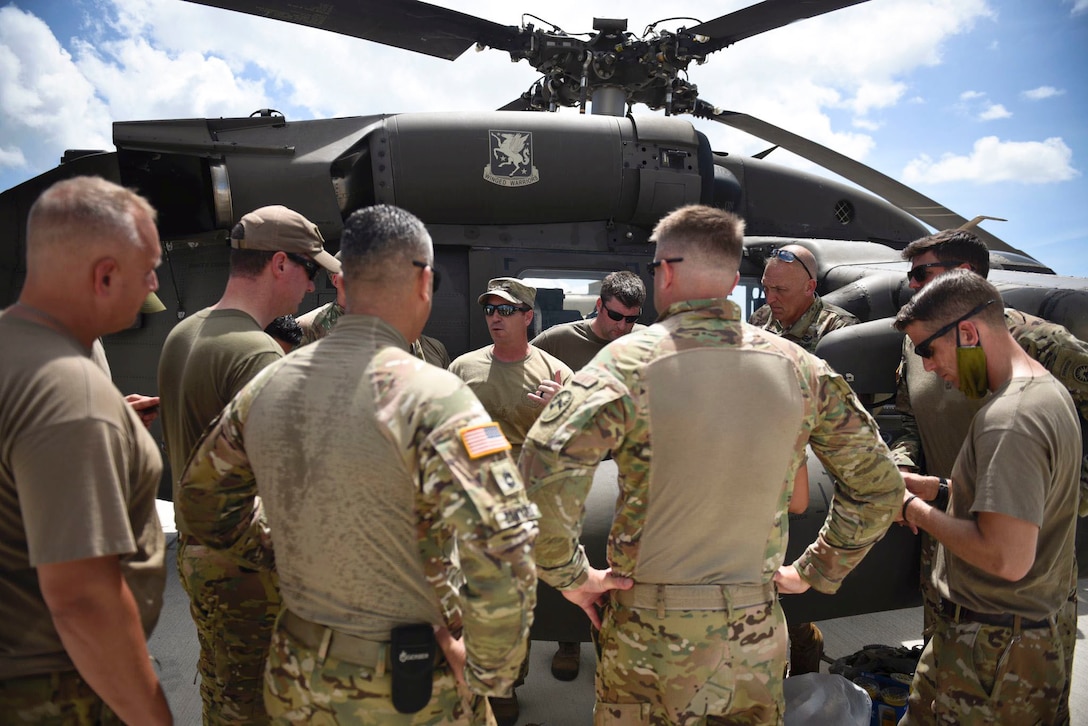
407 24
760 18
899 194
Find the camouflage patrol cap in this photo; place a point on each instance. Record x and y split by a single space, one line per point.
279 229
510 289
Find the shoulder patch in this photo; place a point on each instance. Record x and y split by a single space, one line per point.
557 406
483 440
1080 373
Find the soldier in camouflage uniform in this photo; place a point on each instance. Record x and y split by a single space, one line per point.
317 323
700 530
358 511
793 308
936 415
1006 551
797 313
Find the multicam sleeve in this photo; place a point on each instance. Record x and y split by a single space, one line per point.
1066 357
477 495
581 424
868 486
907 449
218 490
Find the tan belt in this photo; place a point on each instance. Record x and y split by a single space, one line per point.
331 643
649 596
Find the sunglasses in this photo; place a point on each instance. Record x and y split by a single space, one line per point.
925 348
921 272
787 256
630 319
504 310
652 267
305 263
436 276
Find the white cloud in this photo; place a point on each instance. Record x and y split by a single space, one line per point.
11 158
992 160
972 95
1079 6
1043 92
866 124
994 111
46 105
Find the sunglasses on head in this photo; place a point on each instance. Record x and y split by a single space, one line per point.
305 263
504 310
925 348
921 272
620 316
436 276
787 256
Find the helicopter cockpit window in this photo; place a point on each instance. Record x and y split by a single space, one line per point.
563 296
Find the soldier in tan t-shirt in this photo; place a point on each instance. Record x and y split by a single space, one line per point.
81 546
514 381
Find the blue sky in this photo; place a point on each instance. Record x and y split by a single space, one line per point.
979 104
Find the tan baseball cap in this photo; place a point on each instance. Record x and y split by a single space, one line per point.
279 229
510 289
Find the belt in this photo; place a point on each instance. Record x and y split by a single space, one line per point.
331 643
959 614
649 596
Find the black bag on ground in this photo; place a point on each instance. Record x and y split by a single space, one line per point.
412 655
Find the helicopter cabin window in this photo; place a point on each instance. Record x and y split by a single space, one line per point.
563 296
748 294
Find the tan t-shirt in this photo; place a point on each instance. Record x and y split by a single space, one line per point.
573 343
78 478
1021 458
504 388
206 359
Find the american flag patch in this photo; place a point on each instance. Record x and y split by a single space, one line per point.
483 440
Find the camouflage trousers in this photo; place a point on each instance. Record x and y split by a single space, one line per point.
301 688
234 610
971 673
53 699
689 667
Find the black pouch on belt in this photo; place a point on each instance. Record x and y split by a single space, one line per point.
412 653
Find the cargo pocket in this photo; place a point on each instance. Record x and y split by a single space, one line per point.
621 714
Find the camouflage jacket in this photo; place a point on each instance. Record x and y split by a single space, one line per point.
609 405
409 452
317 323
1062 353
816 322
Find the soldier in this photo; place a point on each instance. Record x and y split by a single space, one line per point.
358 510
1006 558
797 313
618 306
513 380
317 323
81 546
703 613
793 308
936 416
206 359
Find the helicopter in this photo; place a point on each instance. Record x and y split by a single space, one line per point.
559 199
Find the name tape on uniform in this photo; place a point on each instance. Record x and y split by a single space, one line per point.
483 440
